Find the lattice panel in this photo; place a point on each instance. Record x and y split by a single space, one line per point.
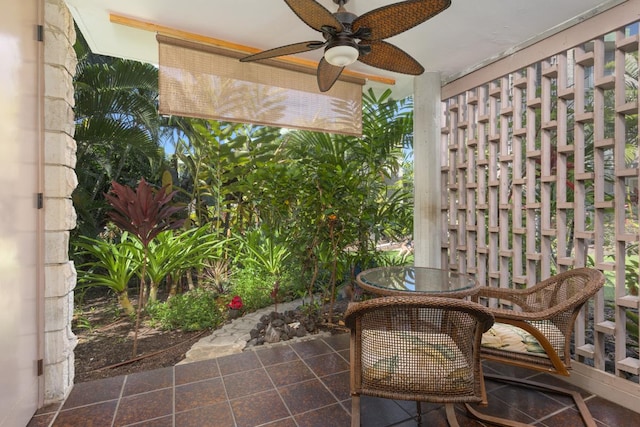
540 175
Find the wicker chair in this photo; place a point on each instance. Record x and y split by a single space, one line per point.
533 330
416 348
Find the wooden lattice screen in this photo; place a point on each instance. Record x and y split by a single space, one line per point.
540 175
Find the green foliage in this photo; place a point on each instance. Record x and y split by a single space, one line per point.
114 265
117 130
80 321
215 163
111 264
631 269
338 196
347 194
264 252
216 275
254 286
292 283
144 213
396 257
192 311
632 325
173 254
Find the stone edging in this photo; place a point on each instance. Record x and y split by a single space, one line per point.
232 338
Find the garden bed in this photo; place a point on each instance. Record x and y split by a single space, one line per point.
105 340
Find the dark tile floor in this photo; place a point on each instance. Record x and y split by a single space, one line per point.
303 384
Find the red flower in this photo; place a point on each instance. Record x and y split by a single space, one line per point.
236 303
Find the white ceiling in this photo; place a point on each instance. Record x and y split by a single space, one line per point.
468 34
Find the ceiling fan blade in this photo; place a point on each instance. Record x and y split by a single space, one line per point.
289 49
327 75
387 21
314 14
391 58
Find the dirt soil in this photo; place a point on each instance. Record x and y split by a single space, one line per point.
105 340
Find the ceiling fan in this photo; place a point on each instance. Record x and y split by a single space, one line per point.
350 38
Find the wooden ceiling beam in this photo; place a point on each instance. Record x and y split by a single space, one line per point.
185 35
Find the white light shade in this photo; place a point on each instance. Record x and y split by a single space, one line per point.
341 56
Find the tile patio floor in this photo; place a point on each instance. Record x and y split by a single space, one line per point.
302 384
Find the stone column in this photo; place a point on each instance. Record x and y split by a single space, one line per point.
426 160
59 215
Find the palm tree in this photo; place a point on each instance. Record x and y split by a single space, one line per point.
117 130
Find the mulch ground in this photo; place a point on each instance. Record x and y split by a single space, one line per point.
105 340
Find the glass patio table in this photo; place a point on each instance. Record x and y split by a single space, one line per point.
408 280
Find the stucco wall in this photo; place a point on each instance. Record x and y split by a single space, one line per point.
59 182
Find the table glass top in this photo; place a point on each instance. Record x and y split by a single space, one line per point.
416 280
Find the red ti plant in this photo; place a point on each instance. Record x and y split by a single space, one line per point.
144 213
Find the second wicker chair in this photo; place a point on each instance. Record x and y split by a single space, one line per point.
533 330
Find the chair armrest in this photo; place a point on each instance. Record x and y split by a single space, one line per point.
539 345
493 292
528 316
514 296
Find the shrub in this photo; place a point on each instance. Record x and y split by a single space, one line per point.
192 311
254 286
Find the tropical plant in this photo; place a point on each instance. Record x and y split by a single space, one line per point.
239 177
164 255
118 130
216 274
144 213
349 194
268 254
216 159
113 264
174 254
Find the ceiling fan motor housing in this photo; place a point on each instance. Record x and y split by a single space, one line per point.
346 37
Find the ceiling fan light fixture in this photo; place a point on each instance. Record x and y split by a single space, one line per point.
341 55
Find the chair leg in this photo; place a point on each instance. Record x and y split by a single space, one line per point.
355 410
451 415
493 420
483 388
577 398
